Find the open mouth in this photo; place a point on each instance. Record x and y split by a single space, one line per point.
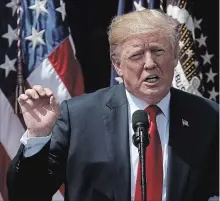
152 79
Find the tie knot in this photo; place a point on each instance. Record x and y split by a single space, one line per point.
152 110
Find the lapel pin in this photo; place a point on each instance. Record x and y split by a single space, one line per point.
185 123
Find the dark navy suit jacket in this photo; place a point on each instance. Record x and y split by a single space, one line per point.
89 151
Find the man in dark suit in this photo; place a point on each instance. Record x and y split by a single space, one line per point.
89 147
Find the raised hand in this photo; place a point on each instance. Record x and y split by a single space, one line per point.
40 110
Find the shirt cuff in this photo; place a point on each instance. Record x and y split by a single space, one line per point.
33 144
214 198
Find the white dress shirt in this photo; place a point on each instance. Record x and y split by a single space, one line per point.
163 129
34 144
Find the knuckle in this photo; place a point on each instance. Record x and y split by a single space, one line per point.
48 91
21 96
36 86
27 91
30 92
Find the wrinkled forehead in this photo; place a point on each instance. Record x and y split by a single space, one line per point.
145 40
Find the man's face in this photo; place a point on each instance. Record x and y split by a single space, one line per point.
146 63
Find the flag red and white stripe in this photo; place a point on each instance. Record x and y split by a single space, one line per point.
60 72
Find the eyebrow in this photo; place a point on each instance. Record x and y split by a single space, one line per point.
150 45
157 45
137 45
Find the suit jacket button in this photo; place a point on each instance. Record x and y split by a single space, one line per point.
17 166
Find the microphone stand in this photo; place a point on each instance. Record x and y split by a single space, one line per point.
141 141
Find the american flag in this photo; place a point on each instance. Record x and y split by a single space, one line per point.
48 59
197 71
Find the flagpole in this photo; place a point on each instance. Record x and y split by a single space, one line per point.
20 80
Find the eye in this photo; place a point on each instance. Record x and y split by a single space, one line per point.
158 51
136 56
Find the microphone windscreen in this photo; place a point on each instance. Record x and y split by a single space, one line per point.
139 117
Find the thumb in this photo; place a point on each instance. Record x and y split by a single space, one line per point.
55 105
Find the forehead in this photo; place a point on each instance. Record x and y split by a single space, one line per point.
146 40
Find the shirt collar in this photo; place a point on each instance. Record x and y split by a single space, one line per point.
138 104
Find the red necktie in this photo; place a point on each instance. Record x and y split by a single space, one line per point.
154 161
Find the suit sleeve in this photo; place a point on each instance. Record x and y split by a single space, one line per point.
213 166
210 178
38 177
212 181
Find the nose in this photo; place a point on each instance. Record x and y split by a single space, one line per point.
149 62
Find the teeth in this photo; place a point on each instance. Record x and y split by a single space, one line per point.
152 76
151 80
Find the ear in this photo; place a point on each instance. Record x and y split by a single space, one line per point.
175 62
117 66
176 55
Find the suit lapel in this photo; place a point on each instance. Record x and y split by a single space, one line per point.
177 174
116 129
178 169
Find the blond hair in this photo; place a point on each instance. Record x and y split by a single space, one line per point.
138 22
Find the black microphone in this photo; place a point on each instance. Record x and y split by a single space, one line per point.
141 140
140 124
